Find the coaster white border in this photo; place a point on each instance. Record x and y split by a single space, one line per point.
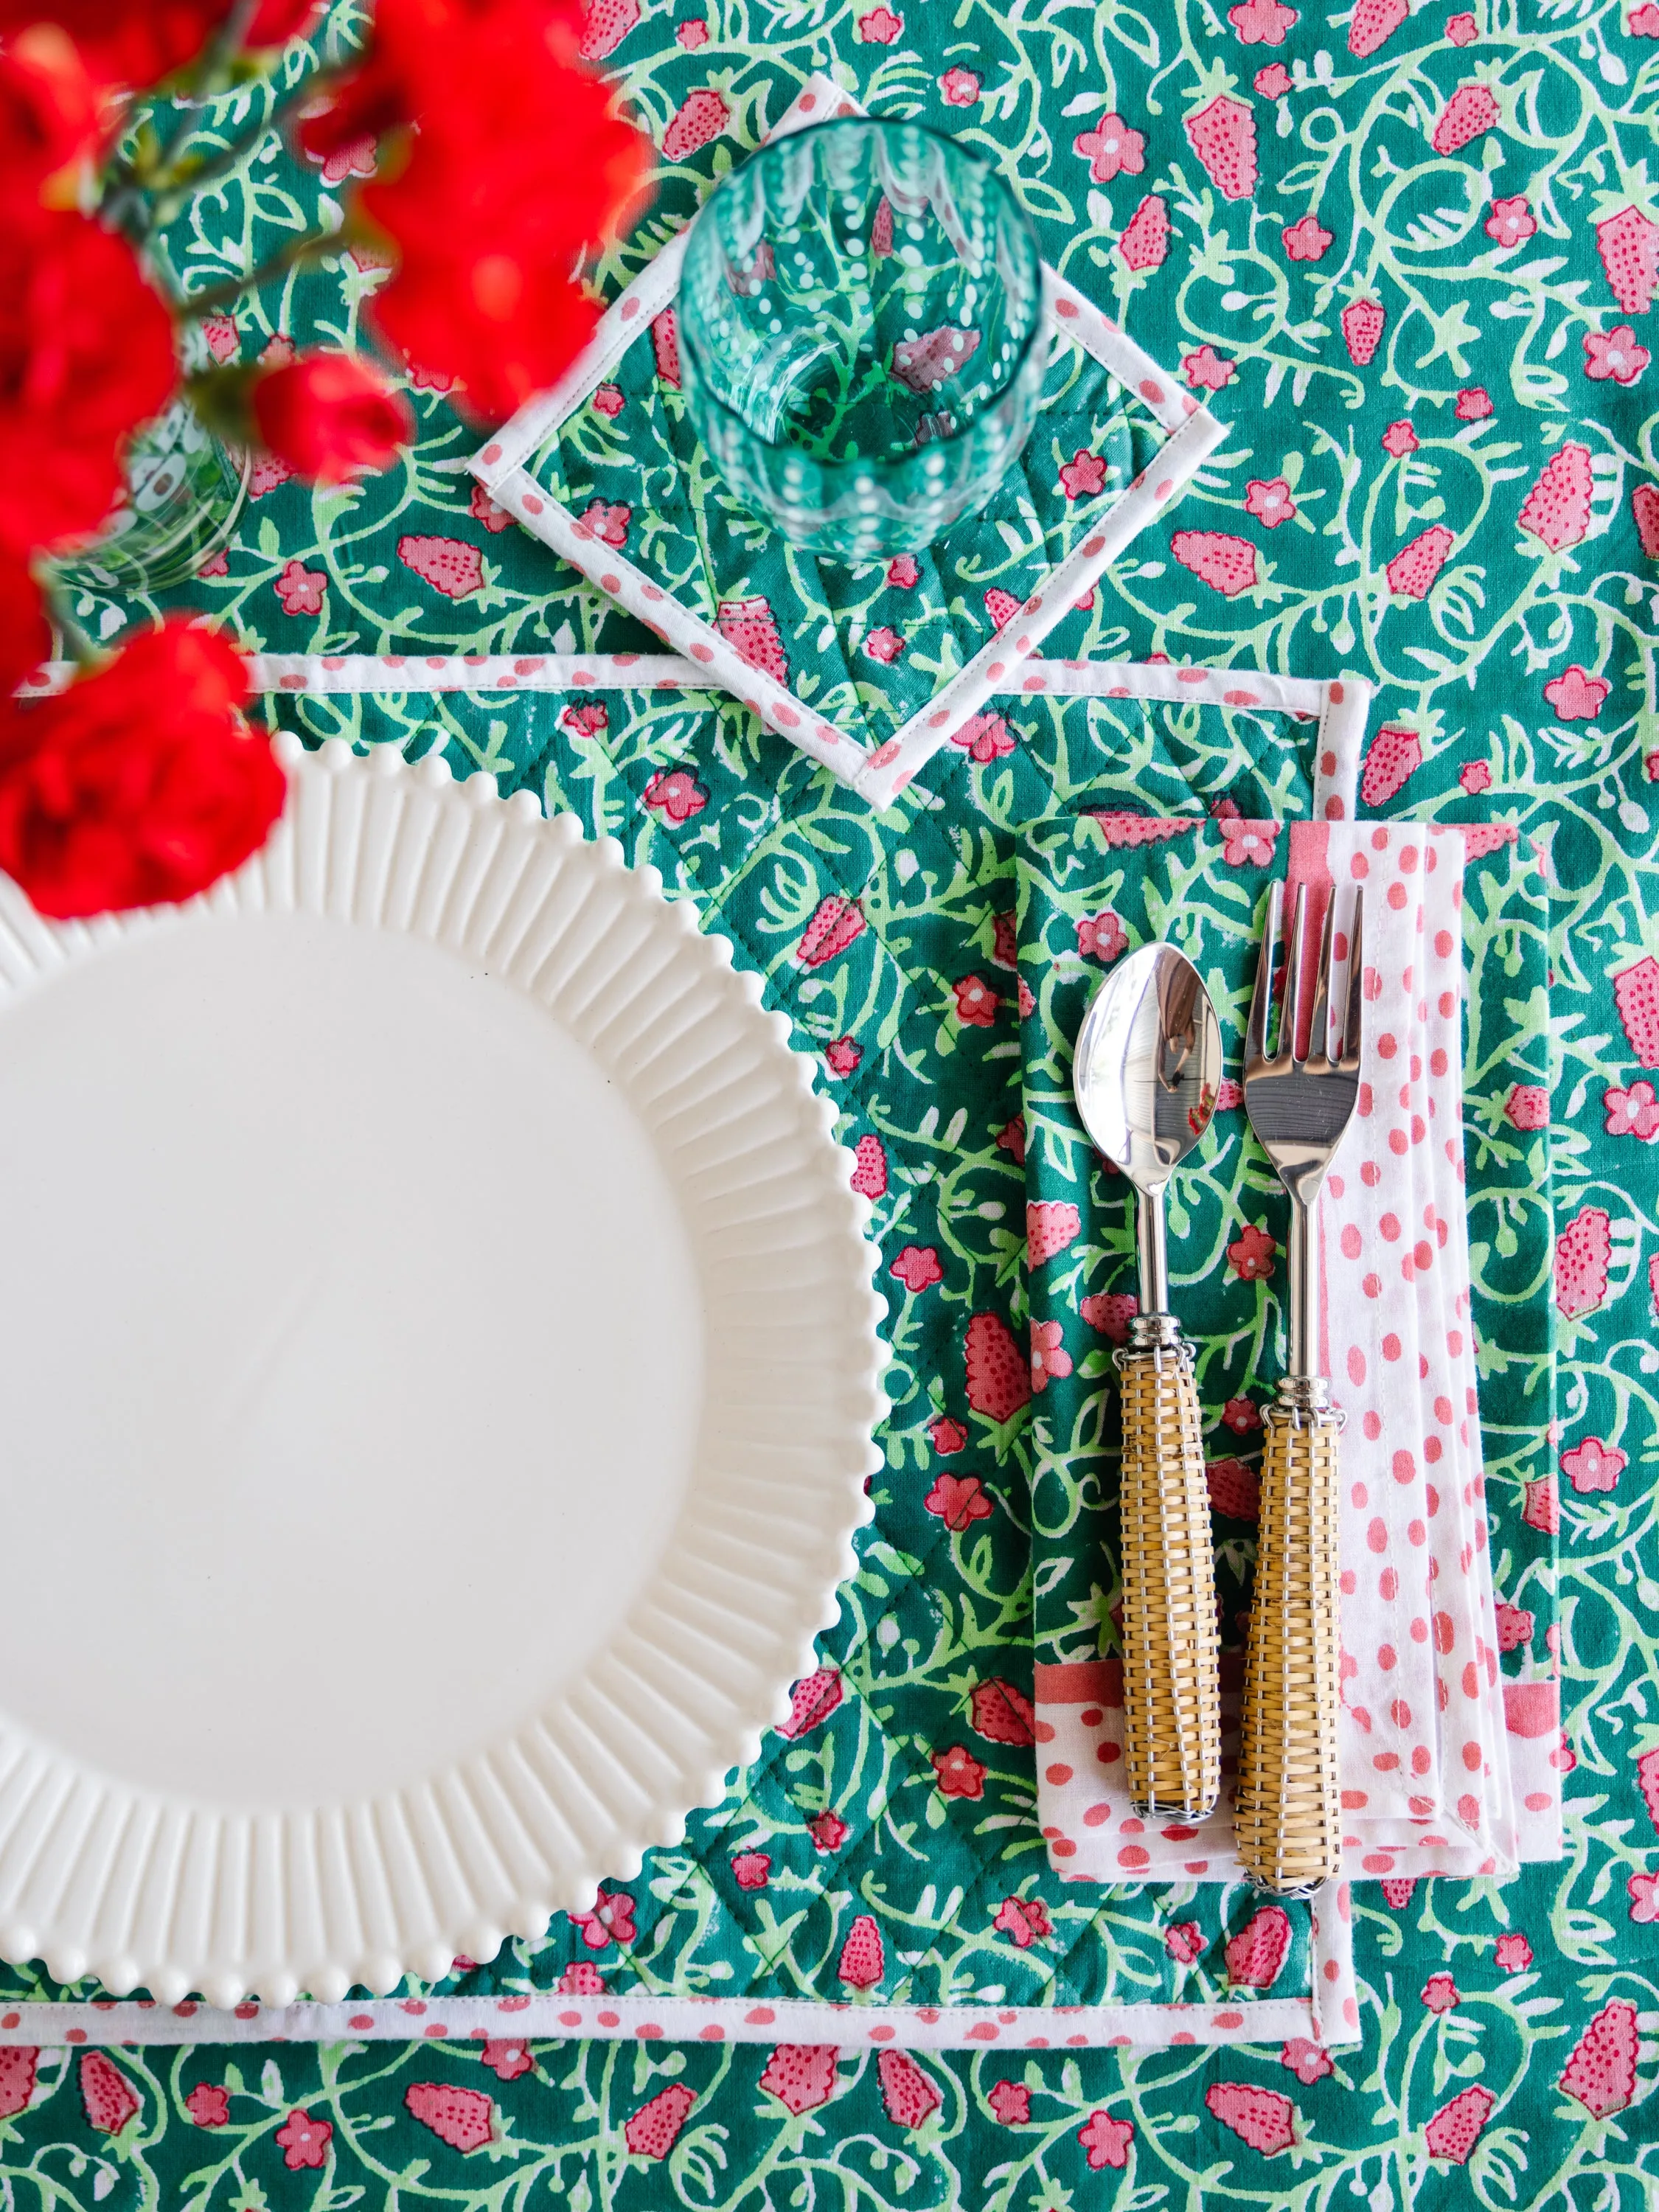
877 773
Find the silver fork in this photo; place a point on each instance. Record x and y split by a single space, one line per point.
1289 1826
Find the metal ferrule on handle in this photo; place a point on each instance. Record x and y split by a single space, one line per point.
1171 1682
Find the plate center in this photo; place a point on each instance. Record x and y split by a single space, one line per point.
351 1346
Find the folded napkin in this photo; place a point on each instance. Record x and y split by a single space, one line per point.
1438 1777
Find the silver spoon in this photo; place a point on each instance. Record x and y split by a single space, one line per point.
1146 1072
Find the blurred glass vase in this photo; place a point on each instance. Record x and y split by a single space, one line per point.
183 492
860 317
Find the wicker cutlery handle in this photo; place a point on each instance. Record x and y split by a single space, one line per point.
1171 1686
1289 1822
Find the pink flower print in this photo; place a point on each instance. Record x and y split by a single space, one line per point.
984 738
828 1829
1460 30
1268 498
208 2104
1473 405
303 2141
959 88
1229 1095
1528 1107
581 1978
1023 1919
1274 82
1399 439
1241 1415
1308 2062
676 795
843 1056
1632 1113
1011 2103
219 565
1101 936
1111 1312
880 27
506 2057
1618 355
752 1869
1515 1627
1440 1993
1645 23
1576 695
884 645
1111 148
947 1436
1205 371
976 1005
1184 1941
957 1500
1049 1358
917 1268
484 509
1509 221
1513 1953
1252 1256
608 524
693 34
1307 240
1261 22
1594 1466
1083 476
1106 2140
1011 1138
958 1773
611 1920
903 572
609 400
1248 844
589 720
1474 776
300 589
1644 1889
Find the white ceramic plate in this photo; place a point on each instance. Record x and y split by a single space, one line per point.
439 1363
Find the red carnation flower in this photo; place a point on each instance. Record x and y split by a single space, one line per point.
330 416
140 785
137 42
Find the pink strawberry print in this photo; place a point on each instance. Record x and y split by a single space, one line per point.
863 1961
702 116
17 2063
460 2118
835 924
812 1701
1394 756
1260 2118
1647 1781
801 2076
1001 1713
1636 994
908 2093
1225 563
1373 23
1455 2129
1362 322
1146 240
1644 509
1235 1490
922 364
109 2098
450 565
1541 1506
1469 112
608 23
1398 1891
1582 1254
998 1373
1600 2071
1256 1953
1111 1312
1051 1224
665 346
869 1176
1415 567
1557 510
654 2128
750 627
1222 136
1628 243
1001 606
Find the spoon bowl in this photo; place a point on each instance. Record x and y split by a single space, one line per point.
1147 1066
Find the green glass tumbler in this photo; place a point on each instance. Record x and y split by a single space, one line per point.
861 340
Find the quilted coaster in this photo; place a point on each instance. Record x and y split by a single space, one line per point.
867 668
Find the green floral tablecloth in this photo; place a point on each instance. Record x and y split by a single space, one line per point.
1407 258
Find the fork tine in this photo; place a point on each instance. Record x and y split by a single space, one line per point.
1295 969
1255 1033
1319 1031
1353 1018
